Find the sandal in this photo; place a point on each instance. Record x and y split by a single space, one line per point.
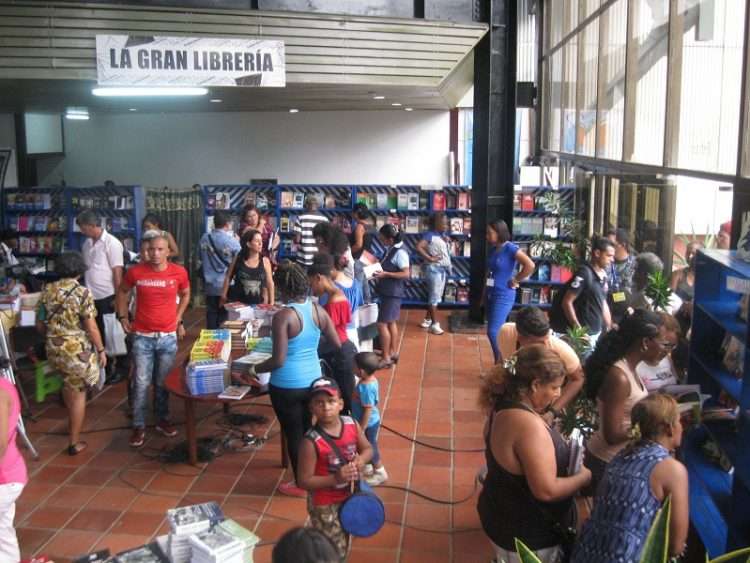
385 364
394 358
75 449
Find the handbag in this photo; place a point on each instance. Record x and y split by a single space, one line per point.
362 514
114 336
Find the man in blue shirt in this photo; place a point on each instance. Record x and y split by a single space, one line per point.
218 249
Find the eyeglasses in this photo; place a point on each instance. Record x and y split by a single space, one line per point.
668 346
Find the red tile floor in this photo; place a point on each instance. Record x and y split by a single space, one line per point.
112 496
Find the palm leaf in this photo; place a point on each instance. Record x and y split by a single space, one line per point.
525 554
656 548
739 556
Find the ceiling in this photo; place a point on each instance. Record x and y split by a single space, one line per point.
334 63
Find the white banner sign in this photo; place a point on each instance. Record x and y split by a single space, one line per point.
128 60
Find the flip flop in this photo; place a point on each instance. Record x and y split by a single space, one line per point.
75 449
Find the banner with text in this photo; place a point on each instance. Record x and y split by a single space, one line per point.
128 60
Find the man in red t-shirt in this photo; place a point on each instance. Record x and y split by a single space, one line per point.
162 293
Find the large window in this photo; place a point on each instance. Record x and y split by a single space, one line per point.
711 37
587 80
554 101
613 32
570 75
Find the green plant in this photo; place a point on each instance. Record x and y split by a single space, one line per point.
659 291
656 546
739 556
582 413
707 241
525 554
563 255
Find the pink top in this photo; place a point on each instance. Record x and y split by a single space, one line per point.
12 465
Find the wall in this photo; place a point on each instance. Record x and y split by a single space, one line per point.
8 140
178 150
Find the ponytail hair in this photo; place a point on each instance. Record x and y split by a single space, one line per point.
613 346
508 379
651 416
390 231
291 280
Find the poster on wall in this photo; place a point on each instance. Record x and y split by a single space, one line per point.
129 60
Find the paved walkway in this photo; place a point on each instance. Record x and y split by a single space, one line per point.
111 496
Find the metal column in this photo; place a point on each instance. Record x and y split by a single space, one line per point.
494 133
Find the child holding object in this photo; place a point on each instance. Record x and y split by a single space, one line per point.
331 457
365 410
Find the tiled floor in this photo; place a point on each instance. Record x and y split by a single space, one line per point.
111 496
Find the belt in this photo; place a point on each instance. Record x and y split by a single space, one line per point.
155 334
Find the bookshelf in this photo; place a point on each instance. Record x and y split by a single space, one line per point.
408 206
719 498
44 218
543 216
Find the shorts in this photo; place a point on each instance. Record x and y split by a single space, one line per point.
436 278
325 518
389 309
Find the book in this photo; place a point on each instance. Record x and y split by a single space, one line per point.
438 201
287 199
222 201
527 202
298 200
329 202
575 459
249 539
403 201
464 201
235 392
413 202
381 201
551 227
412 224
467 225
457 226
371 269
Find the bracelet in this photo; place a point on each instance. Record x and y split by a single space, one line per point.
100 351
120 317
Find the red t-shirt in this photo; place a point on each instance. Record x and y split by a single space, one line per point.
341 315
328 461
156 296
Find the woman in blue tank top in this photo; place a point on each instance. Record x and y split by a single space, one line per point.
294 365
634 487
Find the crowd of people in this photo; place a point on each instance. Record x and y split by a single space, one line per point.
325 393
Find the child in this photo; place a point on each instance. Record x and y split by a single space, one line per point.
365 410
322 471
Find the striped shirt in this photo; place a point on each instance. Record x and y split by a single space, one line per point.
303 226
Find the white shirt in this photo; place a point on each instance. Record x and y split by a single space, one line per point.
101 256
656 377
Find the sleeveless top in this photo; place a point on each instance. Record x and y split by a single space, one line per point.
367 239
624 510
597 445
248 283
507 507
684 290
302 364
12 465
391 287
328 462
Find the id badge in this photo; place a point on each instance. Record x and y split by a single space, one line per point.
618 296
490 282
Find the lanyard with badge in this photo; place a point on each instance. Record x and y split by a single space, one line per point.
617 296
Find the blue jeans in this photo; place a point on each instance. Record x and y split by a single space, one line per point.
153 356
499 306
436 279
359 277
371 433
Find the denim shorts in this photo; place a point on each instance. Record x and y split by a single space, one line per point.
436 279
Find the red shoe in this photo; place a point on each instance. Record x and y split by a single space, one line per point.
137 438
164 427
291 489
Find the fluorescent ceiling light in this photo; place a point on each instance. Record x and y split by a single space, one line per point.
396 104
132 109
215 101
408 109
294 110
378 97
77 116
145 91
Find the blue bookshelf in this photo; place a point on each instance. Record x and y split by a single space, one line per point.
719 499
282 203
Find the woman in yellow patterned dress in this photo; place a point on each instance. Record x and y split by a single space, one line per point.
74 345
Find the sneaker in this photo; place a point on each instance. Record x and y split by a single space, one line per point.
379 476
164 427
482 475
426 323
435 329
368 470
291 489
137 438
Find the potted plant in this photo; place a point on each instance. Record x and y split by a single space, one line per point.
563 262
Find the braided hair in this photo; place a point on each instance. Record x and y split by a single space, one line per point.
613 346
291 279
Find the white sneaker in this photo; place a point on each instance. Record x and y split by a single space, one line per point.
379 476
368 470
426 323
435 329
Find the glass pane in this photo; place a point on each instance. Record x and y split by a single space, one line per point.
571 14
650 74
711 54
555 23
589 7
554 100
569 96
613 29
587 75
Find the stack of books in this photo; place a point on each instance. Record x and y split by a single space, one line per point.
186 521
216 546
206 376
249 540
263 345
237 311
241 366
